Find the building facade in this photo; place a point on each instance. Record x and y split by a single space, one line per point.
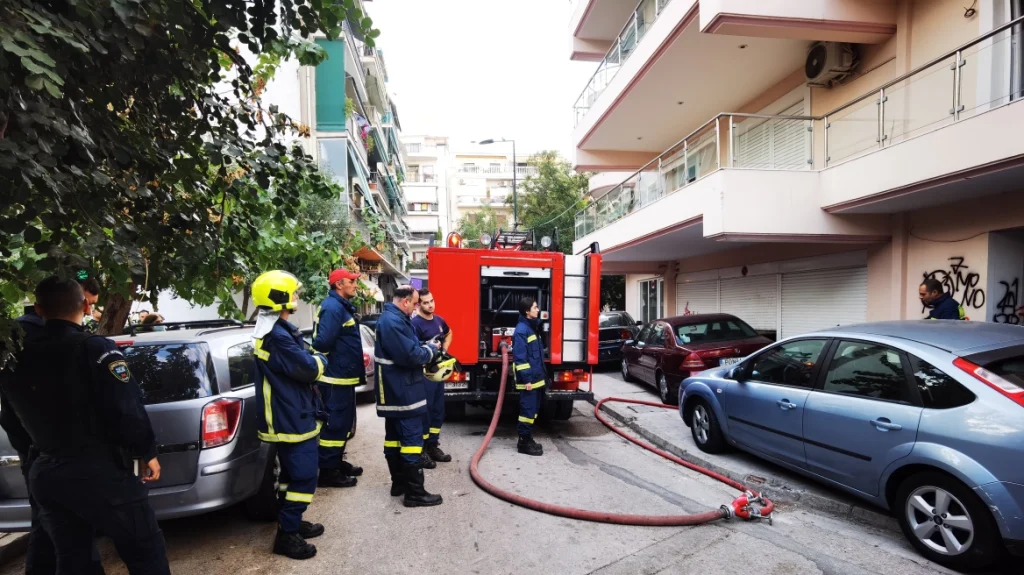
803 164
426 194
484 176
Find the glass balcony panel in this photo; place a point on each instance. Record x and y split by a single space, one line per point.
920 103
853 130
988 76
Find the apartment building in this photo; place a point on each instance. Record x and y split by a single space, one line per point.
803 164
485 176
426 194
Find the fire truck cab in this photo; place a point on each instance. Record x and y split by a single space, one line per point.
478 293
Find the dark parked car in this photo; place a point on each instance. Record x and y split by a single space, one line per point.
197 385
616 327
669 350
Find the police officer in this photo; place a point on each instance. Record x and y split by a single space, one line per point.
336 335
432 327
401 397
285 372
75 396
528 362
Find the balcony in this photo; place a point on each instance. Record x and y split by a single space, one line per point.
932 136
497 172
497 202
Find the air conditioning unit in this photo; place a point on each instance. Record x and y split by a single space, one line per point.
829 63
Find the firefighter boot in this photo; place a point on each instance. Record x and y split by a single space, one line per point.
350 470
415 494
528 446
309 530
426 462
334 478
433 451
397 479
293 546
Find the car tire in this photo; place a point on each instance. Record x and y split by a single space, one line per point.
560 410
624 369
263 506
927 493
455 410
704 428
669 394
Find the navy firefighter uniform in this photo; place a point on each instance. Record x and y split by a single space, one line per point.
528 362
945 307
285 371
76 398
336 335
402 402
426 330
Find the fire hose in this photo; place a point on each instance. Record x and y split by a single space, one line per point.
750 505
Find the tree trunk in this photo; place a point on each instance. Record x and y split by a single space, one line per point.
246 293
115 315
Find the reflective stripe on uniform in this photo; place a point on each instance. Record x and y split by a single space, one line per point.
389 443
435 430
522 366
414 449
316 324
260 352
535 385
331 443
531 338
298 497
525 420
416 405
289 437
282 487
426 436
383 360
351 322
380 384
268 413
320 365
339 380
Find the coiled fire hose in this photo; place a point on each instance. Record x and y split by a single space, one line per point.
749 505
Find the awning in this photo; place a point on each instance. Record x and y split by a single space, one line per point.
374 289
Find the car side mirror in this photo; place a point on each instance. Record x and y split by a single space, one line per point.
630 342
735 373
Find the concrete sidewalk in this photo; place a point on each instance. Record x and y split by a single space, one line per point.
666 430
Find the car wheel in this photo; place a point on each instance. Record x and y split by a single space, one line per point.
263 506
625 371
560 410
947 522
666 391
705 429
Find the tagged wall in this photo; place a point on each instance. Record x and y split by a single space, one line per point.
961 267
1006 273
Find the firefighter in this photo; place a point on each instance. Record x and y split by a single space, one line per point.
530 375
285 372
76 399
401 397
336 335
432 327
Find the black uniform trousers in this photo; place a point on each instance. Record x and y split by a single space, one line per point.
81 495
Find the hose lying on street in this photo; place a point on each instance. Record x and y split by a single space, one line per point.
742 506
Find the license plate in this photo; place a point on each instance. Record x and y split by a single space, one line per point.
729 360
456 385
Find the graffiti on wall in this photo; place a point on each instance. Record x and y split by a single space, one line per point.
1006 309
960 283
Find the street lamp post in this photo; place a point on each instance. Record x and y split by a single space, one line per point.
515 196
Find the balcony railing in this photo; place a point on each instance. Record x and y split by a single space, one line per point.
504 170
474 201
976 77
640 21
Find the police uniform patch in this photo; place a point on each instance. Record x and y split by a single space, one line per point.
119 369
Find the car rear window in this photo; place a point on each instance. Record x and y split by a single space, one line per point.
172 372
938 390
613 320
714 331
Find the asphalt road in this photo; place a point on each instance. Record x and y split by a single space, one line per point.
584 465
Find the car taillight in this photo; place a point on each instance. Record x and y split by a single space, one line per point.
563 376
693 362
366 361
125 342
625 334
220 421
1011 390
581 375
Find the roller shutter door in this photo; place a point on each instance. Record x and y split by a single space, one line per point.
823 299
753 299
697 297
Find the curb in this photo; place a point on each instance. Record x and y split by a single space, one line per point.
12 546
778 490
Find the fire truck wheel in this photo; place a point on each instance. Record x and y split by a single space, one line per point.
455 410
560 410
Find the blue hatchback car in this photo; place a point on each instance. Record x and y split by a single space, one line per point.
923 418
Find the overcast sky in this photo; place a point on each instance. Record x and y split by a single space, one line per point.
476 69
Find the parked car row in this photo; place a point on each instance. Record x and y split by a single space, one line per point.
197 384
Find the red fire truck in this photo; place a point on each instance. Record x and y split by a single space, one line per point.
478 293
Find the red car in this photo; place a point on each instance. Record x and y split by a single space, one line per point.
669 350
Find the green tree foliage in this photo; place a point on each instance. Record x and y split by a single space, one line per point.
473 224
550 200
613 292
133 141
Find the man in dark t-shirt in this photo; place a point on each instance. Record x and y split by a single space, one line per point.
430 326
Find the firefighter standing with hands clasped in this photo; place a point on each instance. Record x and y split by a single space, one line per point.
336 335
431 327
528 359
401 397
285 372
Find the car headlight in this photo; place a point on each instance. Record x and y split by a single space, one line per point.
545 242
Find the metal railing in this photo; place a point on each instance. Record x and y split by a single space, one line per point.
640 21
482 200
898 110
503 170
